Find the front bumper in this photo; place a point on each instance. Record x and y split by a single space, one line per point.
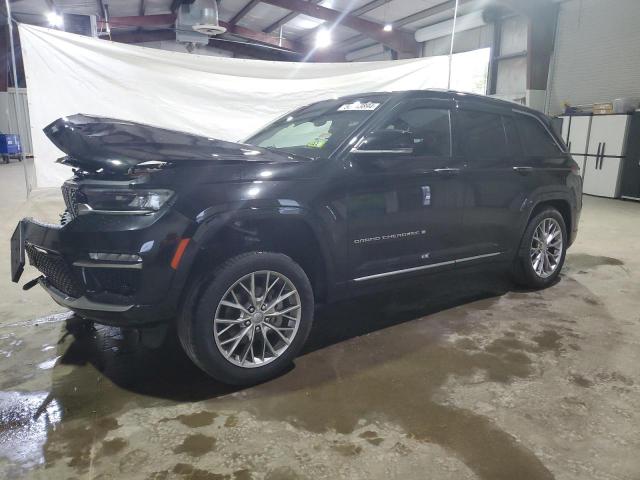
117 293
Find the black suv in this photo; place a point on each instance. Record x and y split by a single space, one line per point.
237 242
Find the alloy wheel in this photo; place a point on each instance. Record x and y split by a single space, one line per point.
257 319
546 247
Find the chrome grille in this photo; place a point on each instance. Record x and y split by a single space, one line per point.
69 192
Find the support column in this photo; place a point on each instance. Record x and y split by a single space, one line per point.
492 83
540 44
4 59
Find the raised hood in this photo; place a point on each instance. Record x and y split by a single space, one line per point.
93 143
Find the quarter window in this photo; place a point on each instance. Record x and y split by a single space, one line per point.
536 140
430 128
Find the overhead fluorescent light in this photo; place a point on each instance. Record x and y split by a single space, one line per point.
388 27
54 19
323 38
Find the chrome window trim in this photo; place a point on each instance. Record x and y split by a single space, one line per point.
399 151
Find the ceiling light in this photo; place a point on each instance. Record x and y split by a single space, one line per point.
388 27
323 38
54 19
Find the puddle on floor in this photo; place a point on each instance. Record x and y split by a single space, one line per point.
369 359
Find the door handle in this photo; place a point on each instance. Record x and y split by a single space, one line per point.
523 170
448 172
604 145
597 166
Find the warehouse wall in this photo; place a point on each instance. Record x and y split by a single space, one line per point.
511 83
596 53
512 72
465 41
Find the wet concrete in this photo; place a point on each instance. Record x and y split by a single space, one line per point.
453 378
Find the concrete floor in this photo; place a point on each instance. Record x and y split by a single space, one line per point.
459 378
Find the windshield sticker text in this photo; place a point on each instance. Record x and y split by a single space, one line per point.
358 107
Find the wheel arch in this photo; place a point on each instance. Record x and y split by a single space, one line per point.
558 200
293 233
562 205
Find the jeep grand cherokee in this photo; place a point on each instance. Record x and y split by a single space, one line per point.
238 241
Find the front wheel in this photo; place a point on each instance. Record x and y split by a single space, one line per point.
250 318
542 251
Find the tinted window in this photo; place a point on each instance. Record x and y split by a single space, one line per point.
536 140
430 128
513 138
481 135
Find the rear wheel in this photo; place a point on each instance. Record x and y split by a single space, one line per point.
250 318
543 249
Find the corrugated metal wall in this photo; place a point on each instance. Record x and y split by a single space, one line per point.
465 41
596 53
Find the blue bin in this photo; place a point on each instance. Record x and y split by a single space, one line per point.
10 146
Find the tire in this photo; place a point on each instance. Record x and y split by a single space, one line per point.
209 346
526 271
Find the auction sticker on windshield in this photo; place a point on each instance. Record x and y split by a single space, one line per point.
358 106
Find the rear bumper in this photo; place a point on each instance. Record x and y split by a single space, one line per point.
122 293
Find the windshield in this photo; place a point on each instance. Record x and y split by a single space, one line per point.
317 130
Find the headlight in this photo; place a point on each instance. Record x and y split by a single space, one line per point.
121 201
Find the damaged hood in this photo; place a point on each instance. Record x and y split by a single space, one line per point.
93 143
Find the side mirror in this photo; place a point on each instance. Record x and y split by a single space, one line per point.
399 142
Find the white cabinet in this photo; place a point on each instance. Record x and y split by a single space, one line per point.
598 144
603 168
608 132
578 138
602 176
578 129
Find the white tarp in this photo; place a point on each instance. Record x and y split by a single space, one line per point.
218 97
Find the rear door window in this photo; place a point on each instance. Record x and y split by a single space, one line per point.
481 138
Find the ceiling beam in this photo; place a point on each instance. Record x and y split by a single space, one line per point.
396 40
161 20
168 20
357 12
249 49
138 36
263 37
244 11
286 19
449 5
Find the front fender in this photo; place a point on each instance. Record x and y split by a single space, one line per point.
215 221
